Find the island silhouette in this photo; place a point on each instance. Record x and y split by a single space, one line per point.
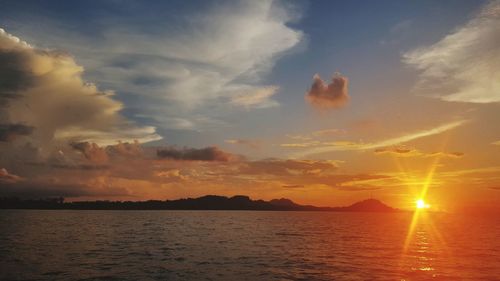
208 202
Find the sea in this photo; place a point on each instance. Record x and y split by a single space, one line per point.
247 245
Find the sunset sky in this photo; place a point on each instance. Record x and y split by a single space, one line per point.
321 102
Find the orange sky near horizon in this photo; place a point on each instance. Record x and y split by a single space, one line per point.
403 122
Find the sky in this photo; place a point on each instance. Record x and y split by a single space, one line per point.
321 102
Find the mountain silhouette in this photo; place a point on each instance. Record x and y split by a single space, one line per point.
369 205
208 202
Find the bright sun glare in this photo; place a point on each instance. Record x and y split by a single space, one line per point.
421 204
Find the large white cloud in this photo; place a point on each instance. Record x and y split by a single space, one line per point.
464 66
45 101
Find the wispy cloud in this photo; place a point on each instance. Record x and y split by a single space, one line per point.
404 151
259 98
249 143
348 145
211 62
464 66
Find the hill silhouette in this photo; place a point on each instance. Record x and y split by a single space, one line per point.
369 205
208 202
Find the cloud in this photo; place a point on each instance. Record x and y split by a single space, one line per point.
288 167
299 137
309 138
249 143
125 149
447 154
399 150
76 174
302 144
210 61
290 173
464 66
92 152
9 132
349 182
293 186
102 154
45 92
259 98
496 142
404 151
324 147
174 174
211 153
328 96
221 53
6 177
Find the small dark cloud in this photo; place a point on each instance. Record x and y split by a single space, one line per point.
211 153
328 96
9 132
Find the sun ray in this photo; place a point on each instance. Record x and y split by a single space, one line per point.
421 206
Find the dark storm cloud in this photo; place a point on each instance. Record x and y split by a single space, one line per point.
211 153
9 132
15 74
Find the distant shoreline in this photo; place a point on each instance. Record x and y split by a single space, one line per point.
209 203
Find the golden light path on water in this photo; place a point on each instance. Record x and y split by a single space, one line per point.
420 204
422 219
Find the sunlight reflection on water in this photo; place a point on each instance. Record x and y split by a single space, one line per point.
244 245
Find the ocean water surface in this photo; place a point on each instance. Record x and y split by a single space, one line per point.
246 245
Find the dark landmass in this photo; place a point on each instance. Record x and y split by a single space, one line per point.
209 202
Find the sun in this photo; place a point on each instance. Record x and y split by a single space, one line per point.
421 204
